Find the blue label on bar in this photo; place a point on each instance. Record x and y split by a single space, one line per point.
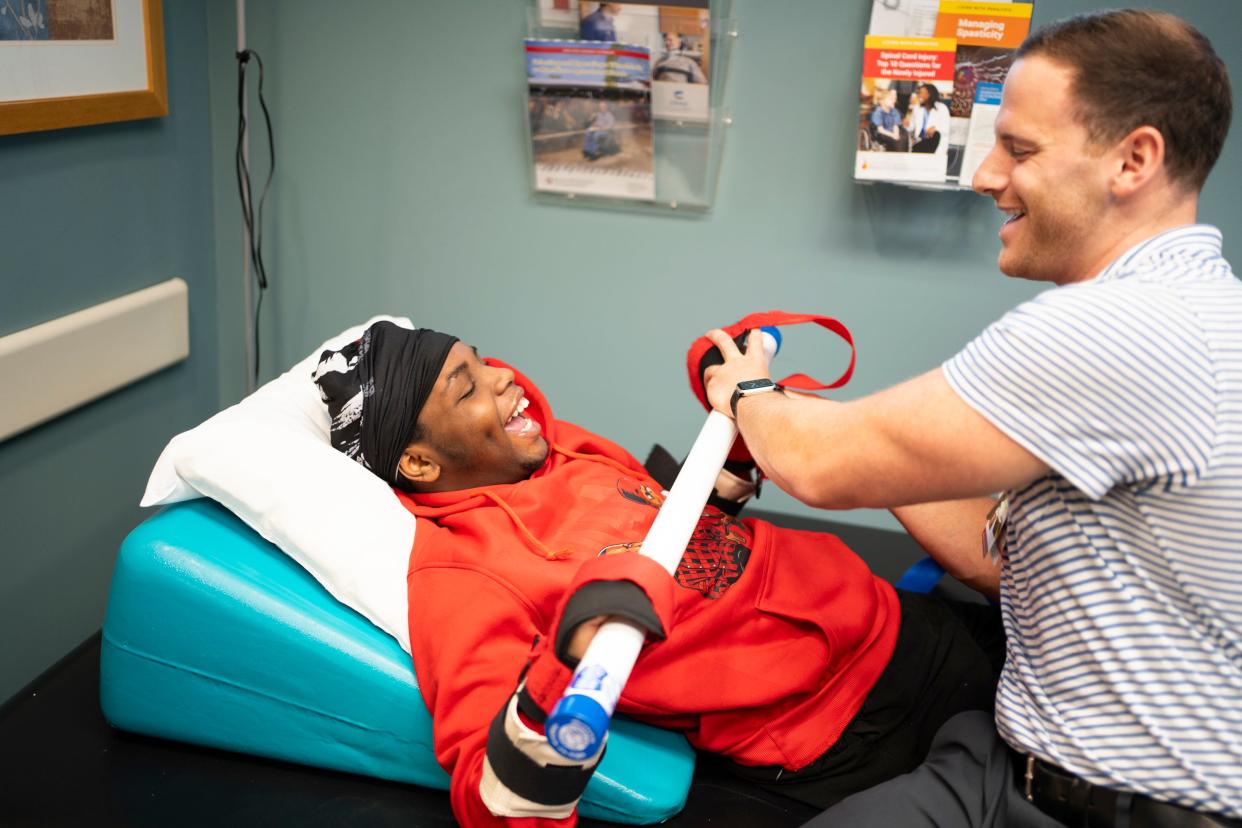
591 677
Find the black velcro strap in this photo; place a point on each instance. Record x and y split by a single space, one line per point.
528 706
742 468
544 784
624 599
713 356
664 470
732 508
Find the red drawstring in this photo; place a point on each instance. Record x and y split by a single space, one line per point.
536 546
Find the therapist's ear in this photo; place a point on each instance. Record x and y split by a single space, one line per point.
417 467
1138 159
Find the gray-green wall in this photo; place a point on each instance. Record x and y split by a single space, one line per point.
402 188
87 215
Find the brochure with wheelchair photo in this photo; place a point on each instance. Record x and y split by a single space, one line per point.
903 111
589 104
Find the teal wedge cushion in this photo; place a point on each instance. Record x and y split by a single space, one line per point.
213 636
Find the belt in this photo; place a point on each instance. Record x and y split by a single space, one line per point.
1075 802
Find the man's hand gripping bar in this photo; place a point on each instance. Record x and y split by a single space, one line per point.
578 723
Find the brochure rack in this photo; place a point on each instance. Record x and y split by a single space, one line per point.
932 77
682 153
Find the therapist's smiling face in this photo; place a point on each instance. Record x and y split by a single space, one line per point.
1047 177
475 431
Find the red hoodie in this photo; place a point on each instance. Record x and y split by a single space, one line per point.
774 636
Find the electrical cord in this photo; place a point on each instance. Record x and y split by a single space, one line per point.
253 218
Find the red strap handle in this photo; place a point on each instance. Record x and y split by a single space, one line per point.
801 382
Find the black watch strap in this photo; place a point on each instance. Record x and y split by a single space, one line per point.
747 388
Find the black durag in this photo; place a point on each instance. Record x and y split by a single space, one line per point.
375 389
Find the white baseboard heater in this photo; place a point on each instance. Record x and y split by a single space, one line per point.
59 365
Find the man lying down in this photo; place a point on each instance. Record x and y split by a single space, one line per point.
777 649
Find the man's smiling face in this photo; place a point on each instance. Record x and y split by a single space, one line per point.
474 432
1048 178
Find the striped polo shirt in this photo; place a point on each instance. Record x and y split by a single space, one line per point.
1121 588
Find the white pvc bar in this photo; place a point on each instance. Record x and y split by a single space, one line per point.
609 659
616 645
674 524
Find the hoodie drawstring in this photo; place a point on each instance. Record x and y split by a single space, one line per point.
537 546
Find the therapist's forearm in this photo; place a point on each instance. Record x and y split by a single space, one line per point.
916 442
951 532
822 452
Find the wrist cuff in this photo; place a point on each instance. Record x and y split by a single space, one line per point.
624 599
523 776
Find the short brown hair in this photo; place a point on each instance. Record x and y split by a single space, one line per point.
1136 67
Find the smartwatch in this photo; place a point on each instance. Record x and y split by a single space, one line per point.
747 388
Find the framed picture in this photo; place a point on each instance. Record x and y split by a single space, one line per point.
66 63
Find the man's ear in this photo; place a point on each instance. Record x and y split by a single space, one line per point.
1141 157
417 466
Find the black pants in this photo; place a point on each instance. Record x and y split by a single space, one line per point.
971 780
947 660
967 782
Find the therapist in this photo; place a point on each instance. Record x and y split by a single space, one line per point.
1109 411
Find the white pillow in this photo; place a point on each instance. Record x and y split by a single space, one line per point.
269 460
